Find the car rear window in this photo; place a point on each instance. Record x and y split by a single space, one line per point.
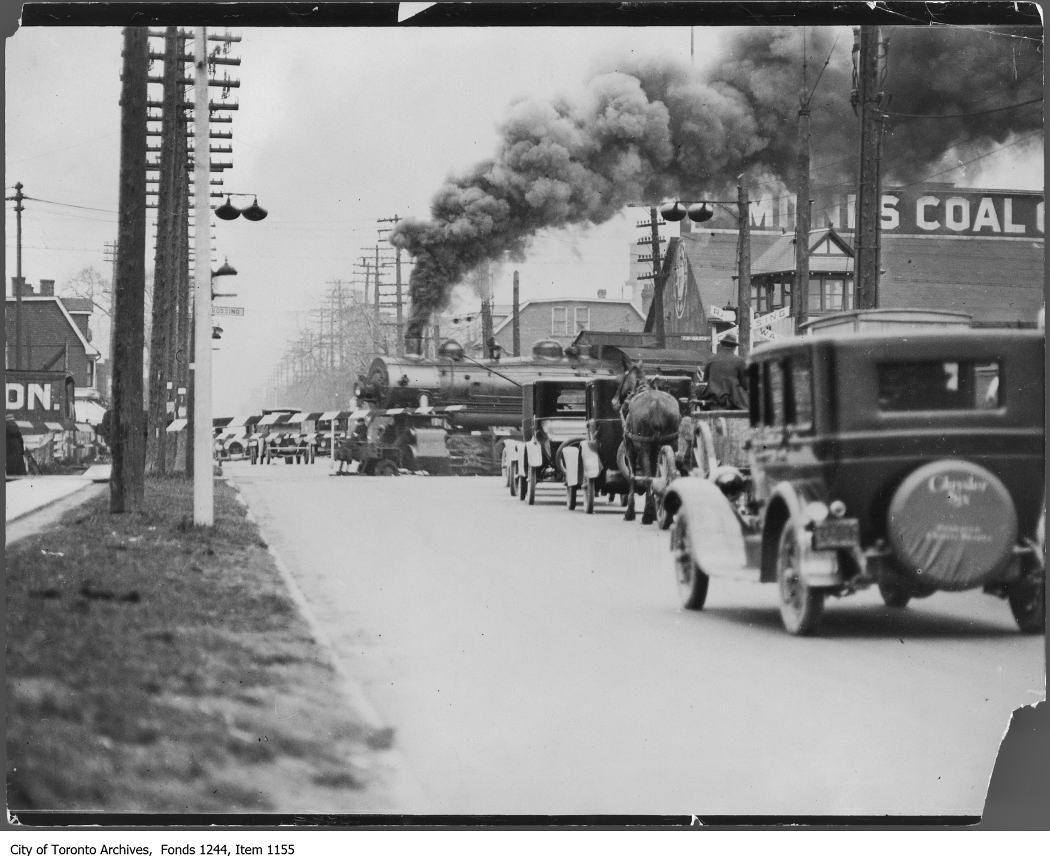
939 385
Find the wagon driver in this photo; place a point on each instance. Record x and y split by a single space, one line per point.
726 377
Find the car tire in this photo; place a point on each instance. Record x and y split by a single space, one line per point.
894 593
1028 604
570 497
692 582
589 490
801 607
534 477
386 467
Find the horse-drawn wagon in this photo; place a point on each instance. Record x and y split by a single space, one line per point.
598 464
915 464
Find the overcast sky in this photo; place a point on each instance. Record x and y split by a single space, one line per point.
337 127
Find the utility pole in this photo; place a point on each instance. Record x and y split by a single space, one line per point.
203 477
400 345
165 282
743 282
128 441
868 195
658 283
515 325
800 298
19 208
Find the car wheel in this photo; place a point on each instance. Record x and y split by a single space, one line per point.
894 593
589 490
570 497
534 476
1028 604
512 478
801 607
692 582
386 468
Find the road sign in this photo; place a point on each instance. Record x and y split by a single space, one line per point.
227 310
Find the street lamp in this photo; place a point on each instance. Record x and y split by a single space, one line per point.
229 211
698 212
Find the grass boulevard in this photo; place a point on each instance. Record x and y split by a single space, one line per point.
156 667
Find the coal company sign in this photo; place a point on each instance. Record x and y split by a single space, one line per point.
920 210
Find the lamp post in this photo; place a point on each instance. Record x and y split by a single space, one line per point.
229 211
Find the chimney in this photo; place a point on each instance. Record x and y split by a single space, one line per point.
47 288
601 293
19 287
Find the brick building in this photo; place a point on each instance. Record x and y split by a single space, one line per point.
562 319
980 252
55 334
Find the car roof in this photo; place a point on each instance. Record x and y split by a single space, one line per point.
927 341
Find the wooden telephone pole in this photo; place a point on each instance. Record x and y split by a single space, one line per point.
800 299
126 484
868 195
743 282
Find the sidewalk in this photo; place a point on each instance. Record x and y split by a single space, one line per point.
25 495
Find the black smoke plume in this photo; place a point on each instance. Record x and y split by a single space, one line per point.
645 130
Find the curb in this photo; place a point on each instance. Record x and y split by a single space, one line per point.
380 735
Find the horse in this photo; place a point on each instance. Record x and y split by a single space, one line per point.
650 422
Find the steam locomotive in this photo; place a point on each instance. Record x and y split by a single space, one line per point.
476 403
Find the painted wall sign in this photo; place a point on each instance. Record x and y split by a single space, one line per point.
911 211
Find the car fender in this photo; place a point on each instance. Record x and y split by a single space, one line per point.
571 464
534 453
716 539
592 463
515 451
816 568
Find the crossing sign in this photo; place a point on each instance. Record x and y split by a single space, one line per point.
227 310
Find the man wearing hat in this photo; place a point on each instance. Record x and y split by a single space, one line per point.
726 377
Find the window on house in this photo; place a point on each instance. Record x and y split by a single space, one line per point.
830 293
559 321
583 318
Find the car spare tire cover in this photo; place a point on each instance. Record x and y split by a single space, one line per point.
952 523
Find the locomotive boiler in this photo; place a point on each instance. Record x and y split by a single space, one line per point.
487 394
479 401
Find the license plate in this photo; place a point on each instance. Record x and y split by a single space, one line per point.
835 533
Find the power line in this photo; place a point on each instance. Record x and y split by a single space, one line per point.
956 115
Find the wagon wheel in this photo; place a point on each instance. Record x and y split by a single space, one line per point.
386 467
589 490
534 476
667 470
894 593
704 450
692 582
1028 604
801 607
570 496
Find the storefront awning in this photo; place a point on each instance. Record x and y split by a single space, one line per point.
88 411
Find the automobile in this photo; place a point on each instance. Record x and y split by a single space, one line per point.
553 412
912 462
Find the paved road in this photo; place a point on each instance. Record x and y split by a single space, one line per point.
536 661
